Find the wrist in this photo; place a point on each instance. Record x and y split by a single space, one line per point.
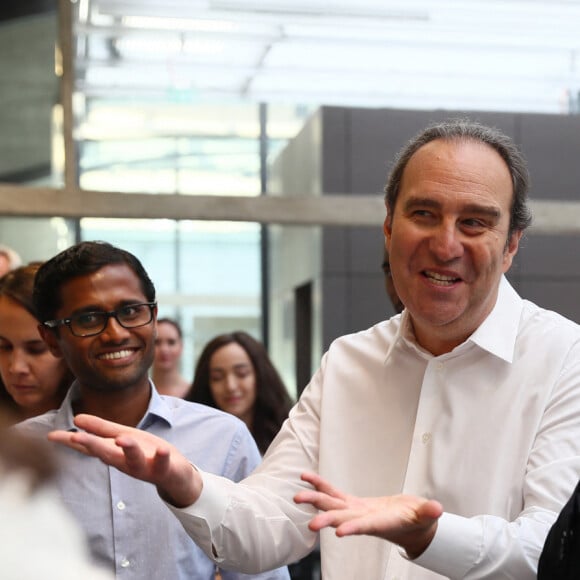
184 490
419 544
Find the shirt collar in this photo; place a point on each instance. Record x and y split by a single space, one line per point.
158 408
496 334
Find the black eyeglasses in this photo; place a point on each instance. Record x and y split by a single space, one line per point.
93 323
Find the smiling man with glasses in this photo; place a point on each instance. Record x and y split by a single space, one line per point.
99 313
93 323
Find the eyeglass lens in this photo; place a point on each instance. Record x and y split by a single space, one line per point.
128 317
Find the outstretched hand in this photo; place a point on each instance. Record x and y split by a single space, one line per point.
406 520
136 453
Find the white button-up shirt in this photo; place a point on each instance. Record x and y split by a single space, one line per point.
491 430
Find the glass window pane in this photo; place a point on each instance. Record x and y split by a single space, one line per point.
29 92
36 239
207 274
133 145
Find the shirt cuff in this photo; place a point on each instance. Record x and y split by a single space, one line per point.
205 515
455 548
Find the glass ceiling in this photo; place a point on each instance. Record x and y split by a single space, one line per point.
508 55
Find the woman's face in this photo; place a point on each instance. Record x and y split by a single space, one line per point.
30 373
232 381
168 347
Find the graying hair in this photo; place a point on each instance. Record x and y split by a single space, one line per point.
467 130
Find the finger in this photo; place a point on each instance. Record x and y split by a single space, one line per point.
322 485
161 463
135 458
334 519
430 510
99 426
104 449
64 438
319 500
366 524
388 521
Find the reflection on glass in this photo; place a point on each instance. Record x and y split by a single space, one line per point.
164 147
29 94
207 274
36 239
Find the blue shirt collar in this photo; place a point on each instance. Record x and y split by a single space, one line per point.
158 409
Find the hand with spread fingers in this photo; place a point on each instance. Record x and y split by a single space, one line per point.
136 453
406 520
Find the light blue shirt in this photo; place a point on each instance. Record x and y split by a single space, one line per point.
129 529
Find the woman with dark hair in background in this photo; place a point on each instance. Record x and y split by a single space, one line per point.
33 380
166 372
234 373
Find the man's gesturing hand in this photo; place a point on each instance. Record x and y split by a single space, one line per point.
406 520
136 453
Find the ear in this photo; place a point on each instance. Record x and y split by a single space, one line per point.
49 336
155 327
387 230
511 249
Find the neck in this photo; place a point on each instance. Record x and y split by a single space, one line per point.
27 412
170 382
127 406
165 376
248 419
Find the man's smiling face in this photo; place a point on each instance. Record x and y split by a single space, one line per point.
118 358
448 239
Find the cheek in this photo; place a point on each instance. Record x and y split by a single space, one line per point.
49 372
4 366
249 385
215 389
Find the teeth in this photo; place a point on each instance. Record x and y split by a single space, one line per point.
440 279
115 355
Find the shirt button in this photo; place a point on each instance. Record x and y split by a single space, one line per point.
121 505
440 366
125 563
426 437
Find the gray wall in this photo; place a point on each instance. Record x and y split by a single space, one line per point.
29 90
350 151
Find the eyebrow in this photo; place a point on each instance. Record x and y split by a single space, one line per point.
491 211
237 366
97 308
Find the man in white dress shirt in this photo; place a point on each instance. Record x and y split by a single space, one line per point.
451 431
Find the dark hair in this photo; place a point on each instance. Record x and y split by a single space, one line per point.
18 285
467 130
173 323
79 260
272 399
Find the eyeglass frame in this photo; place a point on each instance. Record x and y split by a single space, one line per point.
53 324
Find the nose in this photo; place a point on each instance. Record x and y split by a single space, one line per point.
114 331
446 243
18 363
231 382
